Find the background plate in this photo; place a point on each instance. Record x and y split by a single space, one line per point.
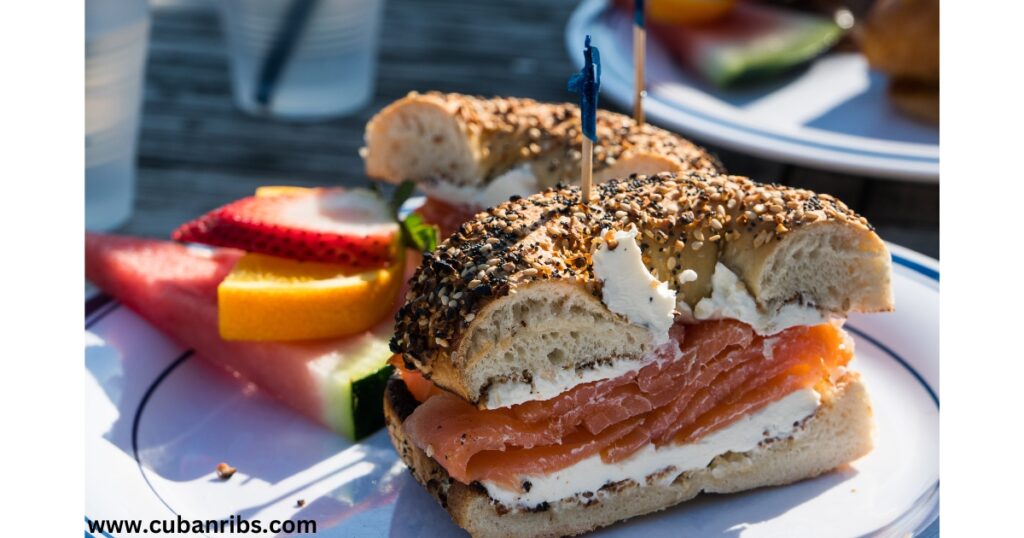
834 115
159 419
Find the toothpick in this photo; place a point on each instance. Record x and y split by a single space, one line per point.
587 168
639 56
639 60
587 82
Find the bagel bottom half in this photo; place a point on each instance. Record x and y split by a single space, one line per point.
839 432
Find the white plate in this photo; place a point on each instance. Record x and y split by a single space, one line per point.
834 116
159 419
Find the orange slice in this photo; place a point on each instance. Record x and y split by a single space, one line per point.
688 12
275 299
281 190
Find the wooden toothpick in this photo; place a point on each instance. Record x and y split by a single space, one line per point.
639 60
587 170
588 84
639 40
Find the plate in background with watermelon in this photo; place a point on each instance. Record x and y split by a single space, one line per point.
833 115
160 417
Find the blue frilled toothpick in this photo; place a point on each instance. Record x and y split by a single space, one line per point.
639 57
587 83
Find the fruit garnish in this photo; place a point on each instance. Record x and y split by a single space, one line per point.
268 298
351 227
337 382
417 234
282 190
755 42
322 263
688 12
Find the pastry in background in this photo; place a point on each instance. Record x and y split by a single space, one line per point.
901 39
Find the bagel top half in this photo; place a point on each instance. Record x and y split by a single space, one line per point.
512 295
468 141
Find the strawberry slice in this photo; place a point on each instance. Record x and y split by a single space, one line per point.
351 227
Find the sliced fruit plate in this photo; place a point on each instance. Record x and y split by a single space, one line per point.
297 297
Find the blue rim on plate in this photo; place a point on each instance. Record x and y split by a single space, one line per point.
922 519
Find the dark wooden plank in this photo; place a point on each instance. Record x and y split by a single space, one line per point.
849 189
898 203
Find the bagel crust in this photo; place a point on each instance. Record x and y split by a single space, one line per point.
485 287
465 140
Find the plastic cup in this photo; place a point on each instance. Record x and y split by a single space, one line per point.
302 59
116 36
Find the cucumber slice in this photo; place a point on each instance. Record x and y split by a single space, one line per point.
352 383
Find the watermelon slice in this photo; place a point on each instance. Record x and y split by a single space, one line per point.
753 42
338 382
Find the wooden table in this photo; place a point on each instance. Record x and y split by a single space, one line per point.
197 151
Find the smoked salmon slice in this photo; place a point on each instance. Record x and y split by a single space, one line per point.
710 375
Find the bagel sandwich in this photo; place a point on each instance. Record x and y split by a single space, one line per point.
563 366
470 153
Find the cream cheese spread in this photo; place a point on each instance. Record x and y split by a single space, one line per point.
730 300
629 289
518 181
